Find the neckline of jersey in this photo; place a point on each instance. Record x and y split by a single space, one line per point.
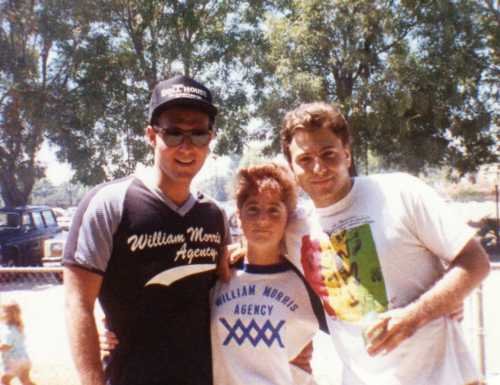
181 210
266 269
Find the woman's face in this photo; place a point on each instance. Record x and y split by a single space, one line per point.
263 219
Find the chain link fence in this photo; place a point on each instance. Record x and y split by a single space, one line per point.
39 292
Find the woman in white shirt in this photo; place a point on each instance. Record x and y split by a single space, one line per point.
266 314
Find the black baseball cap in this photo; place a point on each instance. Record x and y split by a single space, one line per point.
180 91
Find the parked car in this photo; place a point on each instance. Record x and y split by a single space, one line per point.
53 250
23 231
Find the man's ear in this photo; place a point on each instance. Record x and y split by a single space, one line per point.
150 135
348 154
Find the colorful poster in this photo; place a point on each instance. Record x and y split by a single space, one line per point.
345 272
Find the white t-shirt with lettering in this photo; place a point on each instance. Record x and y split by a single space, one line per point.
380 248
261 320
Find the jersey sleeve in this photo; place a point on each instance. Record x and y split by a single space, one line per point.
434 222
90 239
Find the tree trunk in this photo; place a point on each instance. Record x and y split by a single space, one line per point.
11 194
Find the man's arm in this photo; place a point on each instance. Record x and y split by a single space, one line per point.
81 290
466 271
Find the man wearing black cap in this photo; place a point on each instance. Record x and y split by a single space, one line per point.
146 247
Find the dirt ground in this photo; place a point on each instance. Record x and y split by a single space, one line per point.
42 305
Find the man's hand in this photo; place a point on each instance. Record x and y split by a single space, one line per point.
303 359
108 341
391 329
233 253
394 326
313 271
445 298
466 271
457 314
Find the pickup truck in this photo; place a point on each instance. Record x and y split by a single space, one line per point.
23 231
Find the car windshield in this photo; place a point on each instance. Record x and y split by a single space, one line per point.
9 221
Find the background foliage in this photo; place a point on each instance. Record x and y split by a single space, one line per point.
417 79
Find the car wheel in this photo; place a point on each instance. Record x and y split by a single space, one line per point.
11 258
9 263
35 259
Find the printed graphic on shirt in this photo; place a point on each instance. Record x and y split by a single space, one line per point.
170 276
253 332
345 273
193 234
183 246
255 320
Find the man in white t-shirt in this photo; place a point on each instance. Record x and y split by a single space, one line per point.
387 257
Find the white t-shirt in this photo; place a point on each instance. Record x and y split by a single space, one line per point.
386 243
262 319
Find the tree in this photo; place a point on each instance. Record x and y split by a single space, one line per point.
254 154
407 74
34 79
21 133
142 43
216 177
417 79
80 74
489 19
64 195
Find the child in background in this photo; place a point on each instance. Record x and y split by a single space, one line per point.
15 361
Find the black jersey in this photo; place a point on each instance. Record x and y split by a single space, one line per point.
157 261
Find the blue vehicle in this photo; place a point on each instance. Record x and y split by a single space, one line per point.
23 231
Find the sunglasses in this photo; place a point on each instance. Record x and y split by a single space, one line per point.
173 137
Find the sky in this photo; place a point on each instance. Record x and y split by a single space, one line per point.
56 172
